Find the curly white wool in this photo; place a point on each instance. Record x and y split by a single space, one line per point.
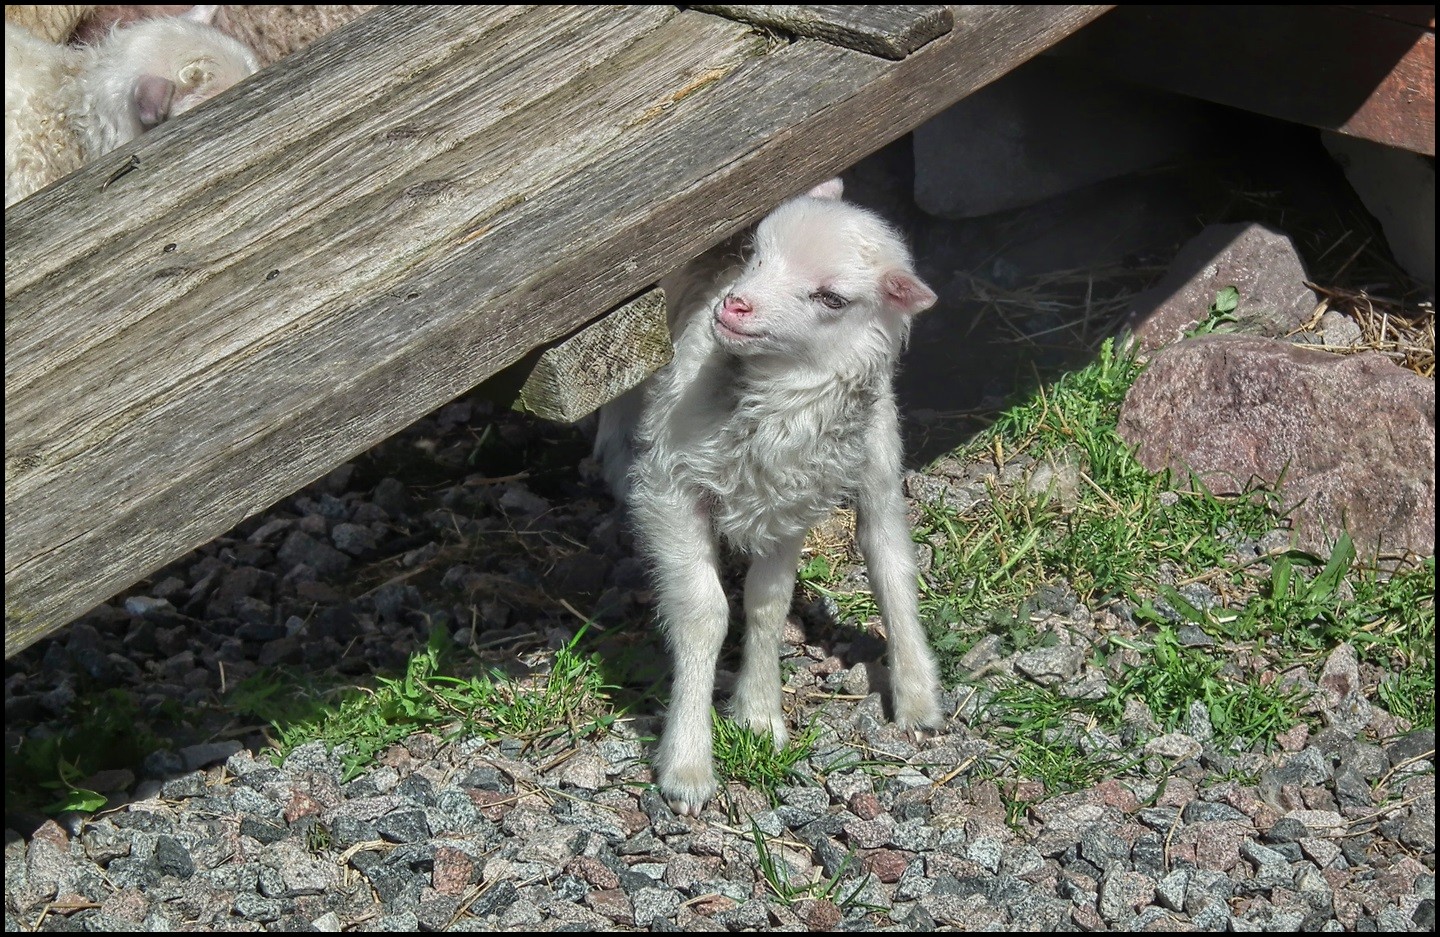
51 21
778 404
66 105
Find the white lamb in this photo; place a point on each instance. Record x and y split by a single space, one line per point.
273 31
66 105
778 404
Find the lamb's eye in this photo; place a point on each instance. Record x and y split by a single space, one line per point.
830 300
193 76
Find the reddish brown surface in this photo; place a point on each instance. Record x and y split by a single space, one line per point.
1401 109
1364 72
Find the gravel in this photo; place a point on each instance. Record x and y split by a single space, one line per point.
477 519
465 834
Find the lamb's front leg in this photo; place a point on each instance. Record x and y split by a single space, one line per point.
769 587
695 615
890 558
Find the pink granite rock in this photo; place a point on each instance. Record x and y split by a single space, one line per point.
1260 262
1354 435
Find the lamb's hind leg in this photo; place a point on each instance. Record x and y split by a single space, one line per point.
695 615
884 538
768 589
890 560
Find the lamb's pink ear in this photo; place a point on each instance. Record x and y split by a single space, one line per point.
152 99
204 13
830 188
906 292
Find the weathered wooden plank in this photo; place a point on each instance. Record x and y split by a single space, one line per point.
600 362
340 266
1414 14
1332 67
892 31
239 327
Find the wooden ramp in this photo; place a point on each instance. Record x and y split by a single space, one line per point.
204 321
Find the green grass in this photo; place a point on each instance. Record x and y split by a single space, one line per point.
818 574
750 757
1040 732
103 731
1172 677
571 700
776 874
1108 541
1121 534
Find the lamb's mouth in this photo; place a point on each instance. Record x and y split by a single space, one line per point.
725 331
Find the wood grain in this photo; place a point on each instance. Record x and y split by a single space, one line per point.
574 377
355 236
889 30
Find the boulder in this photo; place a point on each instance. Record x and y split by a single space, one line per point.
1398 188
1259 261
1353 435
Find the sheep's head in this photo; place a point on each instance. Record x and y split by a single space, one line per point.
169 65
827 281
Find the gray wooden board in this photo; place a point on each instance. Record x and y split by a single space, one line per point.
573 378
892 31
349 239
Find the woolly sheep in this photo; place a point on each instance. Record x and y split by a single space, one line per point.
52 22
67 105
273 31
777 405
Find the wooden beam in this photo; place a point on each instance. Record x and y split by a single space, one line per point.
892 31
1414 14
574 377
351 238
1338 68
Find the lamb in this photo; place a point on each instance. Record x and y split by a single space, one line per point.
51 22
67 105
778 404
272 31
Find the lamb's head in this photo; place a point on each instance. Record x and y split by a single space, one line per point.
160 68
829 284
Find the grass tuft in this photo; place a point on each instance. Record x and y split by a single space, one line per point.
750 757
571 700
1119 535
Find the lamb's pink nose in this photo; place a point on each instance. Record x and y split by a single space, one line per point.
736 307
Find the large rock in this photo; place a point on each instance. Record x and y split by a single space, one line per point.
1354 435
1259 261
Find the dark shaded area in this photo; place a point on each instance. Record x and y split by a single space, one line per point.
1316 65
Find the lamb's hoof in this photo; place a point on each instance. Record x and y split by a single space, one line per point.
919 713
688 791
922 734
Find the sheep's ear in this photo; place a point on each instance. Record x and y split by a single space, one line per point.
152 99
830 188
204 13
907 293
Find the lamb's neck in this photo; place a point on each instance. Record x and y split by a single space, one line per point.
800 380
